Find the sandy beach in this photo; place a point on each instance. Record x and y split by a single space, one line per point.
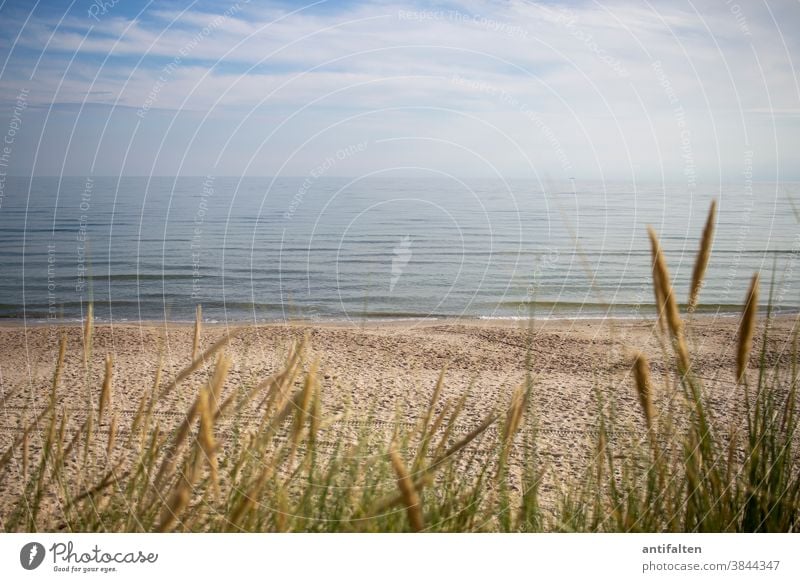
386 372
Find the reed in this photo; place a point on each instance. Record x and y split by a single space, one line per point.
198 325
105 393
703 257
747 328
641 371
88 330
408 492
669 307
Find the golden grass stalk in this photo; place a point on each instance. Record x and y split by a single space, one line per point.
248 500
221 369
198 362
425 474
665 293
25 455
409 494
747 329
448 429
205 438
425 433
511 426
105 393
207 395
62 351
703 256
660 299
306 400
514 414
88 327
170 458
198 323
112 435
641 372
181 495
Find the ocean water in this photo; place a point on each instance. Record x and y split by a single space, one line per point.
262 249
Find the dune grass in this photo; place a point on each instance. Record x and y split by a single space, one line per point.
214 472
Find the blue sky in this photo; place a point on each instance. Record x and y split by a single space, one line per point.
674 91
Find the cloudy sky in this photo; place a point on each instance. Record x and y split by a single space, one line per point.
607 89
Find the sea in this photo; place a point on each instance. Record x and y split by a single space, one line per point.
256 249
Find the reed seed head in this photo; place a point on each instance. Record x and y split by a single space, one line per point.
747 329
88 327
641 371
408 492
665 293
703 256
198 324
105 393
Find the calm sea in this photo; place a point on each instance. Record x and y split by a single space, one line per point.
258 249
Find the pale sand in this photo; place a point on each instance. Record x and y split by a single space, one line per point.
382 367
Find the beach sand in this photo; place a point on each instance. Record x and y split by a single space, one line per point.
384 372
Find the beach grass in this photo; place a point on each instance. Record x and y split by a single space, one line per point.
213 472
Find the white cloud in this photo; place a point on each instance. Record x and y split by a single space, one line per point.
587 68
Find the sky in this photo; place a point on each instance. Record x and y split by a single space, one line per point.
686 92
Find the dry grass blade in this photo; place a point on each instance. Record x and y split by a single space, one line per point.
112 435
511 426
409 494
170 457
204 401
703 256
205 438
221 370
641 371
425 433
108 479
62 351
198 323
105 393
182 494
88 327
25 455
305 402
425 474
198 362
514 414
747 329
665 293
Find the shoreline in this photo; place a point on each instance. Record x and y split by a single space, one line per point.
378 322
